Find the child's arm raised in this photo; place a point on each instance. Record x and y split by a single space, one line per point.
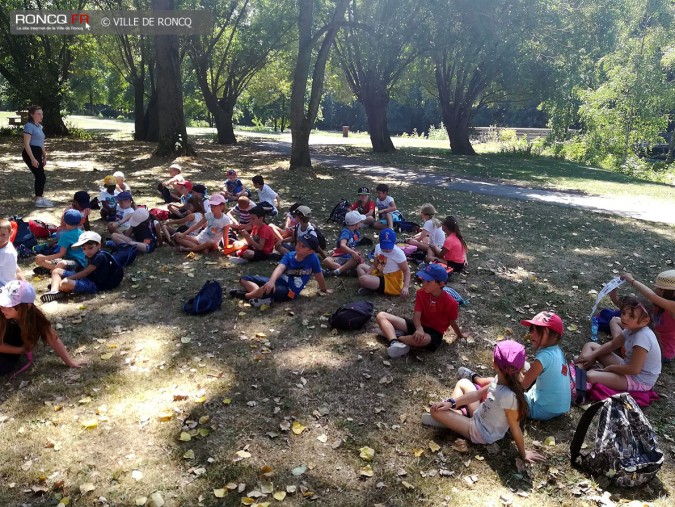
667 304
517 434
60 349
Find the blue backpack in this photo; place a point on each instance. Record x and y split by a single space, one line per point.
125 255
208 299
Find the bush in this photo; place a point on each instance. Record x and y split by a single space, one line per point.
507 135
437 133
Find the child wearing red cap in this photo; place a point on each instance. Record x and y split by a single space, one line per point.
547 377
485 414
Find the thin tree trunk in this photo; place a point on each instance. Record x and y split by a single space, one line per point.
376 112
223 116
53 123
150 126
671 148
139 113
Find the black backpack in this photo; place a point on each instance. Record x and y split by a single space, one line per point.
24 236
125 255
339 212
625 447
353 315
208 299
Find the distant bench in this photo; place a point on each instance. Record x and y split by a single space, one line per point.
21 118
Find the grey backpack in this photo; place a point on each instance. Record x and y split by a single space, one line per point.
624 448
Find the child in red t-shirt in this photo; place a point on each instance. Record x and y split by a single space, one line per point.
435 312
260 241
365 206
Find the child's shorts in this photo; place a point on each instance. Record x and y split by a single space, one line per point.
68 265
281 291
341 259
436 337
289 246
536 412
474 433
636 385
82 285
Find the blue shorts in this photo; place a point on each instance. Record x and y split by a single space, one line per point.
83 285
281 287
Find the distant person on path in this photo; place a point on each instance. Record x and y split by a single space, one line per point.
35 154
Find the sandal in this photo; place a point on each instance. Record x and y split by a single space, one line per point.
53 296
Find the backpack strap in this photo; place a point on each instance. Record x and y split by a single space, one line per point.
582 428
112 257
580 383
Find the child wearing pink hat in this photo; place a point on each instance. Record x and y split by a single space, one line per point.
546 379
484 414
214 227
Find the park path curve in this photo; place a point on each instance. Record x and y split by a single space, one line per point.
641 208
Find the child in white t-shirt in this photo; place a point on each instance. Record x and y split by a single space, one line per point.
390 273
214 227
385 205
9 268
266 194
431 238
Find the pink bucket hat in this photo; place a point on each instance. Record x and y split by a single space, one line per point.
509 356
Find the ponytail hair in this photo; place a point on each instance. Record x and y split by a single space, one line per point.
513 382
32 322
31 111
452 226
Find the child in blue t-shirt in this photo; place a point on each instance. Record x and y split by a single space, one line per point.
548 377
345 256
66 257
288 278
233 187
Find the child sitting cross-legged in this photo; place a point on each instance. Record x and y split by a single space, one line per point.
640 368
390 273
106 199
547 378
194 216
80 203
302 227
241 214
102 272
168 187
345 255
214 227
67 257
259 242
435 311
288 278
484 414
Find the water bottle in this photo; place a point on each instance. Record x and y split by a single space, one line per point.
594 329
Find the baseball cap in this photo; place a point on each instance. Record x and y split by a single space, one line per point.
82 198
123 196
187 184
230 172
387 239
258 211
363 190
87 236
433 272
310 241
216 199
139 216
118 174
509 356
546 319
16 292
665 280
303 210
199 188
72 217
109 180
354 217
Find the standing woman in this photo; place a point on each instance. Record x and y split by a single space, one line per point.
35 155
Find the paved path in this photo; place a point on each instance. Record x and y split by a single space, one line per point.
641 208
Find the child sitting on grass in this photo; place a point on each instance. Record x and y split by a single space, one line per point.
22 325
140 234
80 203
430 239
345 255
663 315
214 227
122 186
168 187
102 272
259 242
178 210
67 257
195 214
288 278
435 311
106 199
365 206
124 209
453 252
303 226
640 368
233 187
547 378
241 214
385 205
484 415
9 267
390 273
266 195
287 232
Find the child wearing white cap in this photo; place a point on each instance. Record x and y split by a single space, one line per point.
345 256
141 231
17 310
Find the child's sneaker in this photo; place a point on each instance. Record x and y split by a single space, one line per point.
41 202
237 293
53 296
365 292
237 260
427 420
464 372
258 302
397 349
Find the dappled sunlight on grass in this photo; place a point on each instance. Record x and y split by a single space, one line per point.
307 356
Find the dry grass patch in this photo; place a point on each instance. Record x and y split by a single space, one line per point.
201 410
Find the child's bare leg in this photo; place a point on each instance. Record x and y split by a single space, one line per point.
67 285
362 269
389 324
464 386
56 279
390 220
248 254
368 221
112 227
612 380
204 247
330 263
378 225
118 237
370 282
40 261
604 360
453 420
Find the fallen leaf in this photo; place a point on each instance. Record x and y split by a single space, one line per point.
291 489
322 438
184 436
227 401
219 493
266 487
298 428
141 500
106 356
86 488
407 485
136 475
434 446
550 441
366 471
367 454
189 454
417 452
297 471
279 496
90 424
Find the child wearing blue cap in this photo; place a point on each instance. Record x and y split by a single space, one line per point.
435 312
124 209
66 257
390 273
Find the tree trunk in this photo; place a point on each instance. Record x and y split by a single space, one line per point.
223 116
139 113
173 139
53 121
458 133
376 112
150 127
671 148
300 156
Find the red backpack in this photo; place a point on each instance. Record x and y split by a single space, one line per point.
41 229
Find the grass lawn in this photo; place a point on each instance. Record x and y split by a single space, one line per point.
229 408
